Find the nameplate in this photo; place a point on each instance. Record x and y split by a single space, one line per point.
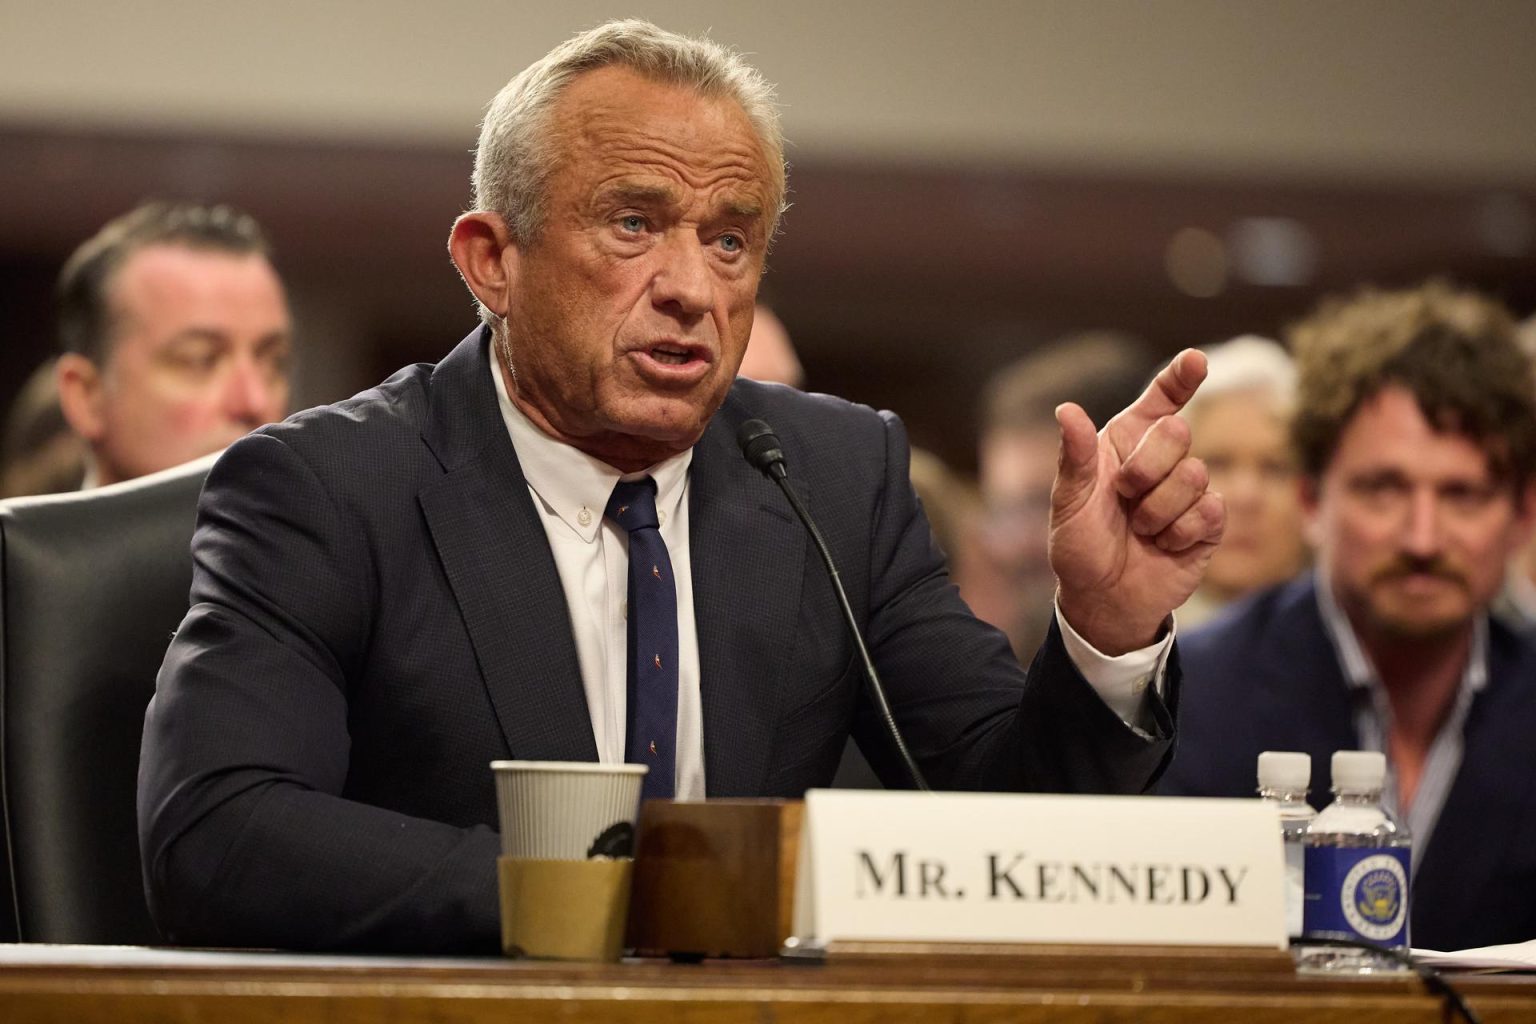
987 867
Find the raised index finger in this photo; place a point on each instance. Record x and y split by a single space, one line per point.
1174 385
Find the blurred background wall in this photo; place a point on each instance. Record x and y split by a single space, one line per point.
969 179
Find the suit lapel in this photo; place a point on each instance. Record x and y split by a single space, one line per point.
1305 704
1472 836
748 555
498 563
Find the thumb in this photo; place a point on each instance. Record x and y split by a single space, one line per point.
1077 462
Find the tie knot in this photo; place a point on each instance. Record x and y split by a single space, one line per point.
633 504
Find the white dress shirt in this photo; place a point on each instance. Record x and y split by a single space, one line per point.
570 490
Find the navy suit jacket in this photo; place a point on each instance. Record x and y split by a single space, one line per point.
376 615
1264 676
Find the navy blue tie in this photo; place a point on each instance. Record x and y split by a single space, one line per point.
651 736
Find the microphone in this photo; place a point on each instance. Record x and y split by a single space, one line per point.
761 447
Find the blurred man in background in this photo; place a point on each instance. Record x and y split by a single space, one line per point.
770 354
1415 429
1103 371
1238 426
175 338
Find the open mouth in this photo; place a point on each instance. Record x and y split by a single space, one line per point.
673 364
671 355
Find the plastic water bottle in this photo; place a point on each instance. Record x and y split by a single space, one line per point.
1356 872
1284 776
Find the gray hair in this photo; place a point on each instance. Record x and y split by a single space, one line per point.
1247 363
513 162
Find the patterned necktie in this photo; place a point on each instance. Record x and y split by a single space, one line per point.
651 735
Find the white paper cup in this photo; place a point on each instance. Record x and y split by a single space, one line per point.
557 810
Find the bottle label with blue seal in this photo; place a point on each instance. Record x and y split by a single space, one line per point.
1356 892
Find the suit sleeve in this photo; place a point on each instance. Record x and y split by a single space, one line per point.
245 834
956 690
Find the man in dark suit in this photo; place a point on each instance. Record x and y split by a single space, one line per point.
393 591
1415 428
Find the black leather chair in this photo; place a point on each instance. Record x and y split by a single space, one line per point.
91 586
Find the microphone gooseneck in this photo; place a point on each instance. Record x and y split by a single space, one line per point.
760 445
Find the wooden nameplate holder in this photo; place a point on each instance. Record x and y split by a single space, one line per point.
714 879
717 879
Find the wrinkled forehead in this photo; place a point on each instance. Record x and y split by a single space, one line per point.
619 105
1418 429
173 287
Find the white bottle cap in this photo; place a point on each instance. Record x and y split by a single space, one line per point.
1359 771
1285 770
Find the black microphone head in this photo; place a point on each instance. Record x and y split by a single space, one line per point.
761 446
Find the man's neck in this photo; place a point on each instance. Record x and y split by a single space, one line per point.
1421 676
626 454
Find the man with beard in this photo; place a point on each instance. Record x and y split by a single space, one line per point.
1415 429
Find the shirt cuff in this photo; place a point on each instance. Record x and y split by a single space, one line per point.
1122 680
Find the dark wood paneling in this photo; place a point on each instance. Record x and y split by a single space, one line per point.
904 286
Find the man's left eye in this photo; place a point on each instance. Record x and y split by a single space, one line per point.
731 243
632 223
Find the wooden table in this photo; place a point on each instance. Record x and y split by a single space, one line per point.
134 986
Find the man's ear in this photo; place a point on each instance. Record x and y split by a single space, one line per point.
80 395
483 250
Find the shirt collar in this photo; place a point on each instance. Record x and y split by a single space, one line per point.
573 485
1358 670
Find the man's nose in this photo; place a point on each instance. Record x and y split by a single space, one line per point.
249 392
684 281
1422 535
1241 486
